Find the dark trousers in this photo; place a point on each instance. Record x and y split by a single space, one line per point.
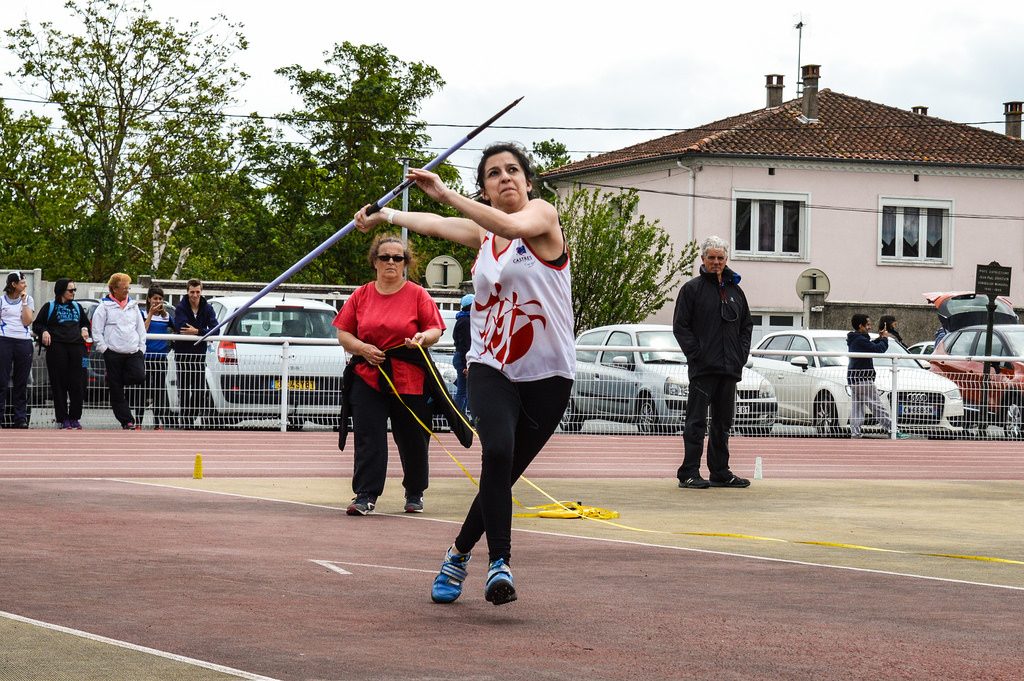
514 421
125 370
156 390
370 412
191 370
718 392
15 365
461 388
67 379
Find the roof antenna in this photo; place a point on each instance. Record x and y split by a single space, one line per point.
799 44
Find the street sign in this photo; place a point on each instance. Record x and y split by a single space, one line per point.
992 280
812 280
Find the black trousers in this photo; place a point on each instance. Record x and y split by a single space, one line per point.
191 370
15 366
514 421
125 370
370 412
156 390
67 379
718 392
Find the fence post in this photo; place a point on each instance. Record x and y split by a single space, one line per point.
284 387
894 401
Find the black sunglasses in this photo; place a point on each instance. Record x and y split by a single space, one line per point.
71 290
395 258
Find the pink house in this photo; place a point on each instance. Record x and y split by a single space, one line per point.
887 203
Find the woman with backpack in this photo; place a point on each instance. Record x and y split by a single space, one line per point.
62 327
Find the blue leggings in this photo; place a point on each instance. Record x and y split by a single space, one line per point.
514 421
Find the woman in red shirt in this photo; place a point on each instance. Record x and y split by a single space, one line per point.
386 313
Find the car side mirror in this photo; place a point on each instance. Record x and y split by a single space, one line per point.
801 362
622 361
750 362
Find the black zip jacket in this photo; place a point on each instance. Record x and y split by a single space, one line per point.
712 325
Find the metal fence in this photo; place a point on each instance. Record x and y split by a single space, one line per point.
292 383
805 393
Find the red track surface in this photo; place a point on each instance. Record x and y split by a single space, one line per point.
230 580
38 453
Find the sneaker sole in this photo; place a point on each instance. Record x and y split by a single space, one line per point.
698 486
413 510
727 485
356 511
501 593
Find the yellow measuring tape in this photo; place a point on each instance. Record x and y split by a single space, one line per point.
576 509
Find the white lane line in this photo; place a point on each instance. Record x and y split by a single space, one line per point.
415 517
333 565
137 648
330 566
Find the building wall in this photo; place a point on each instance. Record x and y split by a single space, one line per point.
844 244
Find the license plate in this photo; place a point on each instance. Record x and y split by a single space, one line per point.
917 410
295 385
742 408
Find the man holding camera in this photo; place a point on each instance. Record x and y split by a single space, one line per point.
860 375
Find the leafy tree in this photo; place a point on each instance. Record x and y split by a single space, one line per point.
41 195
358 121
549 155
624 266
140 100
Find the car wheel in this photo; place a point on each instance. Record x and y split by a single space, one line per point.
296 423
1013 417
572 421
826 418
647 418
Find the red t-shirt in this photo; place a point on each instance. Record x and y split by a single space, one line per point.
386 321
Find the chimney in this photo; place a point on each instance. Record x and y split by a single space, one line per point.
1012 111
811 72
774 87
922 110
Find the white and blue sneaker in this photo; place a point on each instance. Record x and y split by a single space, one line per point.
448 583
498 588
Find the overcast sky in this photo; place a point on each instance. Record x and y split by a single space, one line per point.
639 64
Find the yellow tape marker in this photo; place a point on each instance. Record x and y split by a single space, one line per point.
197 468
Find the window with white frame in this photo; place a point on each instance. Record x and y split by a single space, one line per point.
914 231
769 224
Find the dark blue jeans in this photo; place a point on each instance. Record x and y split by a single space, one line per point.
15 365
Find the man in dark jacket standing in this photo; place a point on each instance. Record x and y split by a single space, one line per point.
194 317
713 326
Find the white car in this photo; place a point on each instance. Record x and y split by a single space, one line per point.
813 390
650 387
244 379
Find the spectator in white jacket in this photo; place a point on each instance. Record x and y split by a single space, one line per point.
119 333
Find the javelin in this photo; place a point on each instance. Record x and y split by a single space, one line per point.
380 203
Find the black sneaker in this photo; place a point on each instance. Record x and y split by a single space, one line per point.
733 481
414 504
361 506
694 482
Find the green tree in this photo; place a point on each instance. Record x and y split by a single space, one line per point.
358 120
625 267
141 100
41 196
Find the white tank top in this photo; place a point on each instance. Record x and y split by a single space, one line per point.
521 318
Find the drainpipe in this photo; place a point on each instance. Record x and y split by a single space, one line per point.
691 191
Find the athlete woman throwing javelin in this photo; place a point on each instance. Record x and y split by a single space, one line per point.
522 360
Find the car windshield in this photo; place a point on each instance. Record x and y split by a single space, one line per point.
293 322
839 345
664 348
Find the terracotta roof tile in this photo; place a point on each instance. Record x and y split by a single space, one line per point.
847 129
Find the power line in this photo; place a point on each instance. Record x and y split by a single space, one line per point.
288 118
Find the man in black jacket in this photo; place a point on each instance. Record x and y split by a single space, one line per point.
713 326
